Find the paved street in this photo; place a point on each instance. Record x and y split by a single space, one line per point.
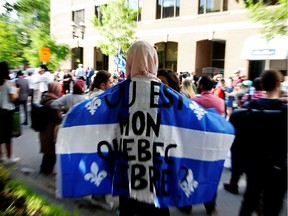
27 148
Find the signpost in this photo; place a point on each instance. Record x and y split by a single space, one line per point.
45 54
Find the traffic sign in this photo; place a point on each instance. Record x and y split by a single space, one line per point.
45 54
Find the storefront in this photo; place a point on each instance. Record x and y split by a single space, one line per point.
263 54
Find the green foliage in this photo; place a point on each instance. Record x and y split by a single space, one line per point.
248 3
116 27
33 18
34 13
40 39
34 204
273 20
4 174
11 48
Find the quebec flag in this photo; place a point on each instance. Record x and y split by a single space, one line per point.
142 139
120 61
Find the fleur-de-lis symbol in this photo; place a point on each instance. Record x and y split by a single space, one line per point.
93 105
199 111
95 176
188 184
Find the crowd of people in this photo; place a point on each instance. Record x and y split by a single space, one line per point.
61 90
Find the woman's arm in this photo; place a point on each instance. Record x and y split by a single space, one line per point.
13 93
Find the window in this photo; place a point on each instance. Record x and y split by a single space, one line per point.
218 54
167 8
210 6
98 13
101 60
136 4
167 55
78 16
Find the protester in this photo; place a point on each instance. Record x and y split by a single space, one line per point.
80 72
187 88
44 79
66 102
89 74
266 148
101 82
23 86
142 62
256 93
8 95
142 150
237 79
206 97
31 85
67 79
238 150
169 78
208 100
48 135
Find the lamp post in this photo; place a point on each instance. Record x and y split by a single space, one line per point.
78 32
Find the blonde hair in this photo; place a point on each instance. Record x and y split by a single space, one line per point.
187 88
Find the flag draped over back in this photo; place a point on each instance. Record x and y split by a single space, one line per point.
142 139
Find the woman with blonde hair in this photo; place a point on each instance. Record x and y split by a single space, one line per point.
187 88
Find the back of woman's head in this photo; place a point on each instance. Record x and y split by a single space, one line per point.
4 72
142 60
187 88
102 76
171 76
270 79
54 88
78 87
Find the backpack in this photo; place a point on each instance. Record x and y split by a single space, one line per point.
40 117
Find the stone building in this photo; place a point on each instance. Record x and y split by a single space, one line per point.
200 36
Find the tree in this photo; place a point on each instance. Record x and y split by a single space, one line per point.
32 31
273 19
34 16
248 3
116 26
41 39
11 49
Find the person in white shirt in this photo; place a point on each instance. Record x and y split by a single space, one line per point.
80 72
44 78
66 102
8 96
31 85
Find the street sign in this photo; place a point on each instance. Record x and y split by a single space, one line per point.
45 54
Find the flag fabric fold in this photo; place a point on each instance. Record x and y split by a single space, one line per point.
142 139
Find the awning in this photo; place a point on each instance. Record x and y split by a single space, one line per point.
257 48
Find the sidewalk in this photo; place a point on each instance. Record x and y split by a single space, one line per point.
27 148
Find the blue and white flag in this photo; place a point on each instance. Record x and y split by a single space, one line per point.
120 61
142 139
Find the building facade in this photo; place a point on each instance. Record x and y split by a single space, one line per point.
200 36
